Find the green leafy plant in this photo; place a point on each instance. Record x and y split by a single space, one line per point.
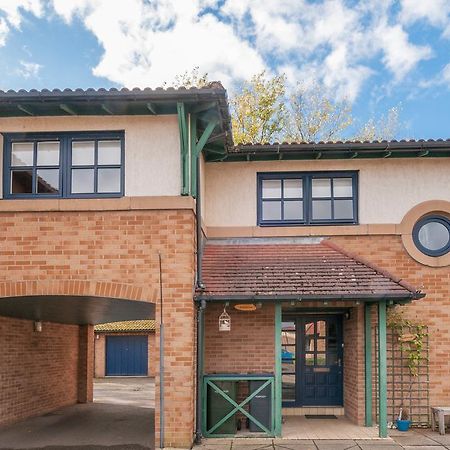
411 335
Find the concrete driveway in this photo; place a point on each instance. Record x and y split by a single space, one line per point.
121 417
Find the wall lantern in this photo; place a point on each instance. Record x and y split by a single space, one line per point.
38 326
224 321
245 307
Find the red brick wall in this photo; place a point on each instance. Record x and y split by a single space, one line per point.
38 371
434 310
113 253
248 347
354 365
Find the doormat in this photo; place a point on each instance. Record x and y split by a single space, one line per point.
320 416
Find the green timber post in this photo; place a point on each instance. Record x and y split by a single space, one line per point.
184 147
197 147
368 362
193 162
278 379
382 370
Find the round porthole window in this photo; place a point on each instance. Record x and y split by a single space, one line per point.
431 235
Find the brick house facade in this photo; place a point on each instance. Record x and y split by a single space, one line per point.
82 241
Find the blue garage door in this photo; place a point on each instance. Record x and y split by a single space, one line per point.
126 355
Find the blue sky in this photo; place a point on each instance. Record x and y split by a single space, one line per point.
376 53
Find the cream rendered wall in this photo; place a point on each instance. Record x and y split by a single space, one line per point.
388 188
152 146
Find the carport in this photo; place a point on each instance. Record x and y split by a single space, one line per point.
47 368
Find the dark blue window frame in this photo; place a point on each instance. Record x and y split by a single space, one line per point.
307 198
415 235
65 166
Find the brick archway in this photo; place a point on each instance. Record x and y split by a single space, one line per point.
78 288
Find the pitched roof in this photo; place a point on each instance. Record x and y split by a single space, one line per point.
292 270
130 325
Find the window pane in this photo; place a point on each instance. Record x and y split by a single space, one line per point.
21 182
271 210
288 383
271 188
22 154
82 181
293 210
108 180
83 153
434 236
293 188
47 181
321 187
109 152
342 187
343 209
48 153
321 209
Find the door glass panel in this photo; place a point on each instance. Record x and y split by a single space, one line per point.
321 359
321 328
309 337
288 366
309 359
321 345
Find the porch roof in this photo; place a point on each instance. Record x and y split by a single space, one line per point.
292 271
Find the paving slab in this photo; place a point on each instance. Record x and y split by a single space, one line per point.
338 444
424 447
415 439
303 444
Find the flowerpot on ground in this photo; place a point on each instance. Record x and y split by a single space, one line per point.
403 425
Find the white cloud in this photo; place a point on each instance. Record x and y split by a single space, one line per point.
28 69
337 42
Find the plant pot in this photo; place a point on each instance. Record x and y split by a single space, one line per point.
403 425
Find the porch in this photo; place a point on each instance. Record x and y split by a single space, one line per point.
299 315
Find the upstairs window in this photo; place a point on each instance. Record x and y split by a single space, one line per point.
64 165
307 198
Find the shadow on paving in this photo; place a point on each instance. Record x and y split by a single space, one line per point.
83 426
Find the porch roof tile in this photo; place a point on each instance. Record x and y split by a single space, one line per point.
309 271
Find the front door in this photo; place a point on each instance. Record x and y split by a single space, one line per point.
312 361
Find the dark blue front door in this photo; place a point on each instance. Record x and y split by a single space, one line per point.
126 355
312 372
319 363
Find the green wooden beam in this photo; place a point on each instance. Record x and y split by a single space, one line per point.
184 148
152 108
368 362
278 379
197 146
382 370
107 109
202 107
68 109
25 109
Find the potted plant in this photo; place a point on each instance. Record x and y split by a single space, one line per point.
403 422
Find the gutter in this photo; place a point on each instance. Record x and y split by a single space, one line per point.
299 298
